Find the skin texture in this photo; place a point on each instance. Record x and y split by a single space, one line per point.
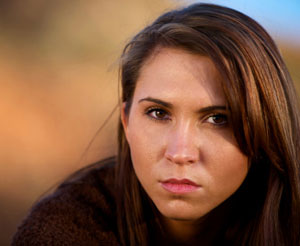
183 136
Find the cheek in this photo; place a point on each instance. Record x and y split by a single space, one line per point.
227 170
146 149
143 149
145 140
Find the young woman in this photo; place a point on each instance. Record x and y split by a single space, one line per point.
209 143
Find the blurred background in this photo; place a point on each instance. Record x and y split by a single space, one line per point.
59 84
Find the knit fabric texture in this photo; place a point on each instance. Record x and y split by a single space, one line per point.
82 211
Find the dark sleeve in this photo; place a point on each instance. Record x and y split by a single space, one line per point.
76 214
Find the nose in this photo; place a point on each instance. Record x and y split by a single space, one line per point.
181 145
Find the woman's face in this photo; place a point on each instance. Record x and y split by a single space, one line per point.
182 148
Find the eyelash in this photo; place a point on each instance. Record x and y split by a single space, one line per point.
223 116
166 117
151 110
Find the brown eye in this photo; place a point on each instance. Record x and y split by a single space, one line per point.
158 114
217 119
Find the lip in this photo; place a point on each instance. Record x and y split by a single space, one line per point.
179 186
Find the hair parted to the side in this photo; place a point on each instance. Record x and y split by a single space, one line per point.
264 115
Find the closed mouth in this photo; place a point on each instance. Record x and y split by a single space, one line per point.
179 186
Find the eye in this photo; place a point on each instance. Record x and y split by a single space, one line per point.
158 114
217 119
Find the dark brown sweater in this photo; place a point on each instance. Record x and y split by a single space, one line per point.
80 212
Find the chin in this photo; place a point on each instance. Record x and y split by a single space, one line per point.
181 210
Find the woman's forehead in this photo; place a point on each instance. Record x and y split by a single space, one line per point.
175 73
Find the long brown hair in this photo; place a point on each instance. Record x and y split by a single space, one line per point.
264 114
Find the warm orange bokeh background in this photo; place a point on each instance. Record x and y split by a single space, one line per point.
58 84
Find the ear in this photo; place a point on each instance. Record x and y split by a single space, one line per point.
124 119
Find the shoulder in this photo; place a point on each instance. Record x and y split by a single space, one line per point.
80 212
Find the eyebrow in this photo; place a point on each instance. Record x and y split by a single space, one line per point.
158 101
169 105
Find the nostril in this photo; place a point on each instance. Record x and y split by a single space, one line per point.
181 148
181 158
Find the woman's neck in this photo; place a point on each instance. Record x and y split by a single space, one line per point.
193 232
181 231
